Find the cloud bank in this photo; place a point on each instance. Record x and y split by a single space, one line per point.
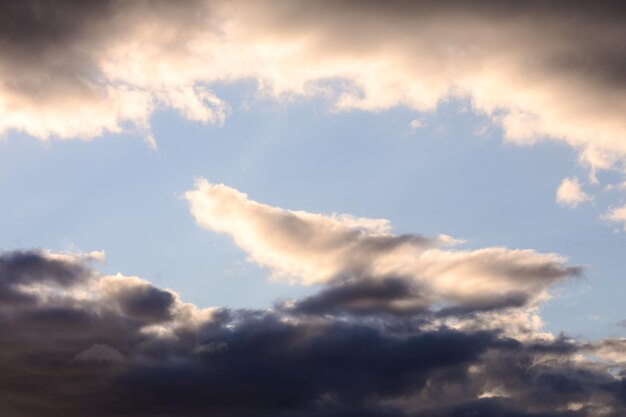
74 342
539 69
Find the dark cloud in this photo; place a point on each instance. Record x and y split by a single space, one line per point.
49 47
391 296
21 268
491 407
396 296
71 355
273 366
146 303
27 267
34 25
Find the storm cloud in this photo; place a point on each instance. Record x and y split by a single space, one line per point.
83 351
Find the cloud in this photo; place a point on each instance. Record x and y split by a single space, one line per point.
416 124
101 353
84 352
19 270
365 296
616 215
611 350
540 70
570 193
138 298
54 61
358 256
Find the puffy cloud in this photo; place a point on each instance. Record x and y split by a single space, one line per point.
309 247
570 193
86 351
21 272
538 69
54 67
362 256
138 298
611 350
617 215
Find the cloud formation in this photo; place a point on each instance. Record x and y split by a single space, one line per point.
617 215
539 69
115 345
359 256
570 193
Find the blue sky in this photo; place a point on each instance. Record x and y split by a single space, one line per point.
454 175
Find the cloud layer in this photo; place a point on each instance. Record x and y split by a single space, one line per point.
539 69
74 342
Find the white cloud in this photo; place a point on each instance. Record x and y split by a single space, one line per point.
314 248
416 124
617 215
138 56
570 193
619 186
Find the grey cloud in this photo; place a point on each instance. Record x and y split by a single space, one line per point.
146 302
71 356
278 367
20 268
49 48
100 353
362 296
26 267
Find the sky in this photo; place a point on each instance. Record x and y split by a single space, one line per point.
290 208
